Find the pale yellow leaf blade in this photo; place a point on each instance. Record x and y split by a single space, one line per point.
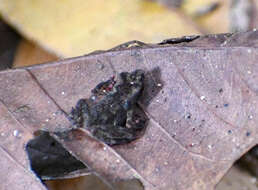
216 21
72 28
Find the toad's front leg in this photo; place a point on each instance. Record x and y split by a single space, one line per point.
80 115
129 118
113 135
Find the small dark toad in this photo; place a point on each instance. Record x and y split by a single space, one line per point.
111 113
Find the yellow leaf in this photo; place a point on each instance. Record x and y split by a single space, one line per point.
76 27
215 22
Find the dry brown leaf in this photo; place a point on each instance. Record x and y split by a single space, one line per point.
31 54
201 120
14 172
72 28
90 182
237 179
8 43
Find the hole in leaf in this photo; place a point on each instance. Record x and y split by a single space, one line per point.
49 159
59 170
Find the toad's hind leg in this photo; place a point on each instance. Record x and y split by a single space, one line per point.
80 113
113 135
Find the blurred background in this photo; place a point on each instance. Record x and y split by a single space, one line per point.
38 31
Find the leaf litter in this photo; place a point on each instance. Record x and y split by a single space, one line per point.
191 153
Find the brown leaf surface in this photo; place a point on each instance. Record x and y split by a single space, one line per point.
29 53
15 176
202 119
8 43
14 172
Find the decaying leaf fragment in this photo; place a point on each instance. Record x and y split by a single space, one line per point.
200 98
